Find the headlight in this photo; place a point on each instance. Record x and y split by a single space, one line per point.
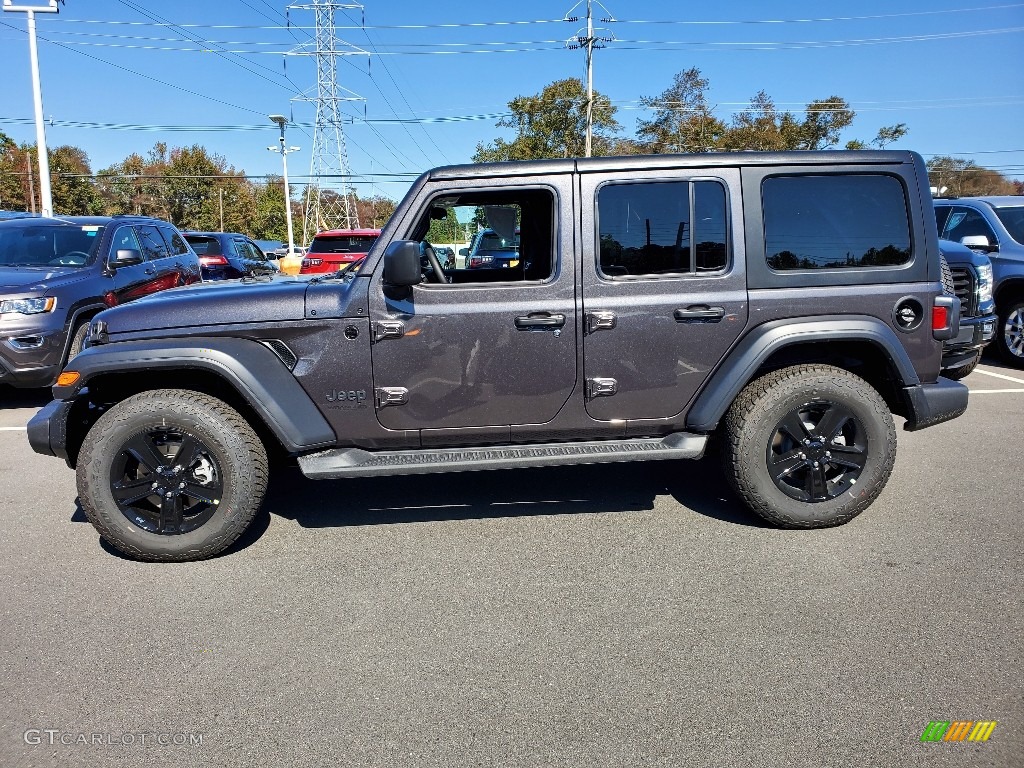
985 283
28 306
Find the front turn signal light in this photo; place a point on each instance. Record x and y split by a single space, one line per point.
68 378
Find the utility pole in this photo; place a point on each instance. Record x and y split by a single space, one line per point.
329 163
30 11
589 42
282 121
221 191
31 183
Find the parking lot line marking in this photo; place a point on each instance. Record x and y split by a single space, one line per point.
13 429
999 375
993 391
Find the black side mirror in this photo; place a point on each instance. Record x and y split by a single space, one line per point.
126 257
402 263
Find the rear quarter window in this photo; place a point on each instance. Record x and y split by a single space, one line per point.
834 222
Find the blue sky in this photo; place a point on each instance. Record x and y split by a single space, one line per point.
950 69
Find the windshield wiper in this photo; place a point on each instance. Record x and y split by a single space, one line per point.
349 273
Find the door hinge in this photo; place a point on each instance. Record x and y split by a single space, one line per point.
601 388
600 321
388 329
386 396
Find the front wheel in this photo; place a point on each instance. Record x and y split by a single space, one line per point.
171 475
1010 334
809 446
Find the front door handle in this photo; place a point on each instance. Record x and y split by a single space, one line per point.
699 313
540 320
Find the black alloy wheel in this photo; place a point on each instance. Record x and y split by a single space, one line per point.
817 452
166 481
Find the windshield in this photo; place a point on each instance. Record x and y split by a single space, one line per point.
49 245
490 241
342 243
1013 220
203 245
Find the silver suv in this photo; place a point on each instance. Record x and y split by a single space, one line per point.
994 225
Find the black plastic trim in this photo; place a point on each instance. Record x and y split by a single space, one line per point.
931 404
47 430
252 369
765 340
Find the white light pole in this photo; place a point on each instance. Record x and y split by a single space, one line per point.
282 121
44 158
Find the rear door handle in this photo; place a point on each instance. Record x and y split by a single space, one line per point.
540 320
699 313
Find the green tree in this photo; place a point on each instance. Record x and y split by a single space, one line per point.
12 175
825 120
683 121
72 188
553 124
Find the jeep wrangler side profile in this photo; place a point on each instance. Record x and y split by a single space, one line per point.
786 304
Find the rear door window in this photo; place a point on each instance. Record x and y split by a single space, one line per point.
839 221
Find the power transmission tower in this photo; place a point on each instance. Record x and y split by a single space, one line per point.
590 42
329 199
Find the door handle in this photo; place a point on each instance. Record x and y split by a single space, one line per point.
540 320
699 313
150 270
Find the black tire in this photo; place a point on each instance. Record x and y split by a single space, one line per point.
948 285
1010 333
151 506
78 340
964 370
803 399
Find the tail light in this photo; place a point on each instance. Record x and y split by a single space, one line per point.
213 261
311 263
945 317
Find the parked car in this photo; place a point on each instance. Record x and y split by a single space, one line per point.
335 249
489 250
970 280
786 304
57 273
228 255
995 226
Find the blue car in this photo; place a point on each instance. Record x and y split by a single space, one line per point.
228 255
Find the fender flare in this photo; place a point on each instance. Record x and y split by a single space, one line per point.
250 368
765 340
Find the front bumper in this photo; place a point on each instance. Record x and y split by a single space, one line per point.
931 404
48 429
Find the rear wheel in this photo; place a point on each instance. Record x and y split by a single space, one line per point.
809 446
1010 334
171 475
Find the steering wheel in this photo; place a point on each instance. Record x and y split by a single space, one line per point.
70 259
437 273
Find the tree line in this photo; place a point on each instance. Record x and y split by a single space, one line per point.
194 188
188 186
552 124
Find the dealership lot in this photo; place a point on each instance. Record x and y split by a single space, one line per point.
627 614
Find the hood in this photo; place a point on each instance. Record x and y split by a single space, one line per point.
226 302
959 254
39 279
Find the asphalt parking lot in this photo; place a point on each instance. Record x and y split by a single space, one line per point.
614 615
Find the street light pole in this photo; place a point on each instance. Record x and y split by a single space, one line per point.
44 159
282 121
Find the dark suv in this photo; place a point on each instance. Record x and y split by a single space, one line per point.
56 274
994 226
787 305
229 255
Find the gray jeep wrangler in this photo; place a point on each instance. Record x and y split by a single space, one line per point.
786 305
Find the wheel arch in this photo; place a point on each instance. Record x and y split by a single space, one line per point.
1009 290
862 345
243 373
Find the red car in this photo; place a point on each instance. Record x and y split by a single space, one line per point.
334 249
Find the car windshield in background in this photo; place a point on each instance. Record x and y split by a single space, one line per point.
1013 219
49 246
342 244
492 242
203 245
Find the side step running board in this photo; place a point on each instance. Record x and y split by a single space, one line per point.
356 462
